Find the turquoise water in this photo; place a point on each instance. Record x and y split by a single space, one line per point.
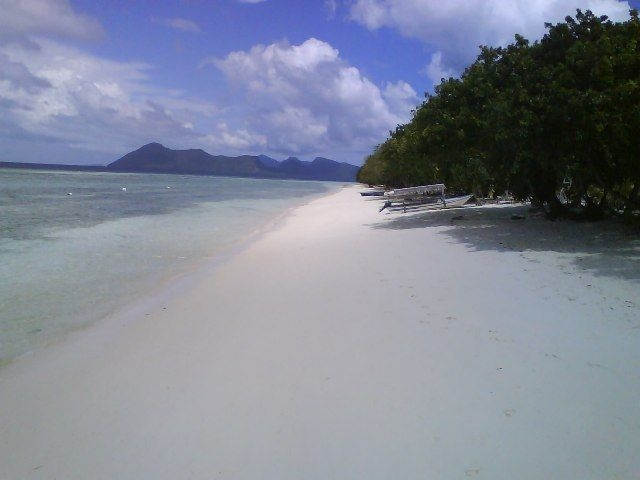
75 246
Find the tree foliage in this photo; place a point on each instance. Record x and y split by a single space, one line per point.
529 116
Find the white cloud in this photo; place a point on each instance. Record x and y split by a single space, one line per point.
19 18
455 28
400 96
436 71
52 93
305 99
59 93
179 24
240 140
288 99
16 76
332 7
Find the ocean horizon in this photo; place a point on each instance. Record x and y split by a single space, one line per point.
77 246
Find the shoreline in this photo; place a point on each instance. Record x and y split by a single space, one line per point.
169 279
343 343
152 297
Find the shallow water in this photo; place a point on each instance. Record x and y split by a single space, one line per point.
75 246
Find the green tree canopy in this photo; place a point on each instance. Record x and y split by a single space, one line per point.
528 116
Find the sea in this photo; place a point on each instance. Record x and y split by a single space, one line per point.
77 246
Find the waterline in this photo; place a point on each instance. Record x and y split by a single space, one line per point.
68 260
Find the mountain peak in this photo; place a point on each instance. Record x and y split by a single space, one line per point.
268 161
323 160
152 145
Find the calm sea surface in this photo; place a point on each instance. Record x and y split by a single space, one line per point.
75 246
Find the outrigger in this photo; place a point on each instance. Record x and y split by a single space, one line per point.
413 198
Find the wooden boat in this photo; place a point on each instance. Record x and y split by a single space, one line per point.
426 203
460 201
372 193
422 190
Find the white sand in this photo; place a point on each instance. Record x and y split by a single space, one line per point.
348 344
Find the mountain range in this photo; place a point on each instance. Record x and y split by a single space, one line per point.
156 158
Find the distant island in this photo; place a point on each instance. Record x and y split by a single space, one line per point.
156 158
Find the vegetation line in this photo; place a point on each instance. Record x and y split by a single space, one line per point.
557 121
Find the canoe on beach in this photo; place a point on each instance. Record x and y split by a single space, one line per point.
372 193
406 204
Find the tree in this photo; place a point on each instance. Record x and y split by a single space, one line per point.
528 116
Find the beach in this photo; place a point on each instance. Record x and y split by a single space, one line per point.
344 343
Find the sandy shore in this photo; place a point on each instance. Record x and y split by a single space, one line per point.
348 344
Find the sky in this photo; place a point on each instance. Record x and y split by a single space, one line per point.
85 82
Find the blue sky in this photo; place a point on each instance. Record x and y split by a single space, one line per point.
86 82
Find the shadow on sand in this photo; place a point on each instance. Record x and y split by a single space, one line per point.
605 248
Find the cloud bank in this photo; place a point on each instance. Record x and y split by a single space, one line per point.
59 93
455 28
53 93
19 18
302 99
305 98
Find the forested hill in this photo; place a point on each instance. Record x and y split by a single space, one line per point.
533 118
157 158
